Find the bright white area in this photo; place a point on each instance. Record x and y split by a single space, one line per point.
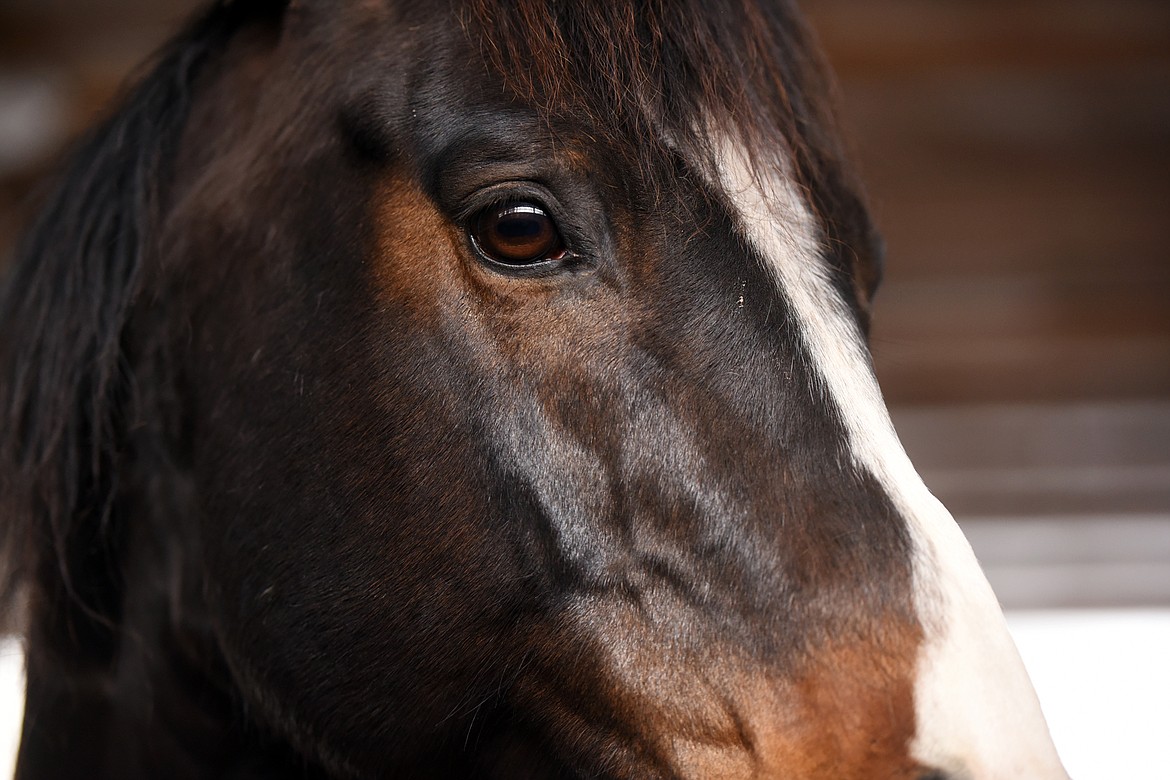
1103 678
11 702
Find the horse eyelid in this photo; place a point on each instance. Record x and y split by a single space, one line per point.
471 204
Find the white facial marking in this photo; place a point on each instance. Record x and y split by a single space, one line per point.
977 714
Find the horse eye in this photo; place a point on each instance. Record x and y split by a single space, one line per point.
517 234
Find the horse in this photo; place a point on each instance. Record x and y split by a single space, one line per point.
479 389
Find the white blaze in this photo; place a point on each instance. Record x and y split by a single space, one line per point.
978 716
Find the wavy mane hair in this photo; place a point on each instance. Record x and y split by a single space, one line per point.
70 404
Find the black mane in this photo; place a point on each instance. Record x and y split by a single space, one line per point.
66 391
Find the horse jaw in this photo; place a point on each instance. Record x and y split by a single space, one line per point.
977 714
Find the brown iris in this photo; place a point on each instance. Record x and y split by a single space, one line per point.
517 234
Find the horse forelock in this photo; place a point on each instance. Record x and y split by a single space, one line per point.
677 74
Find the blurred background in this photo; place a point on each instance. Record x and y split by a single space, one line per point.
1017 155
1018 160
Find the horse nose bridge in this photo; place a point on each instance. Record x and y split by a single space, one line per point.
756 468
977 713
872 534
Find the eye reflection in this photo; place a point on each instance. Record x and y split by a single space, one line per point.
518 233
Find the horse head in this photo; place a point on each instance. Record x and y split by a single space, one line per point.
470 389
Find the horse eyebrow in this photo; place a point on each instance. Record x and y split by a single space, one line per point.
691 71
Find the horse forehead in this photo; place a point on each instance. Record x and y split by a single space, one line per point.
977 714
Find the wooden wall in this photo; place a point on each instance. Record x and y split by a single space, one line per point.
1018 157
1018 160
